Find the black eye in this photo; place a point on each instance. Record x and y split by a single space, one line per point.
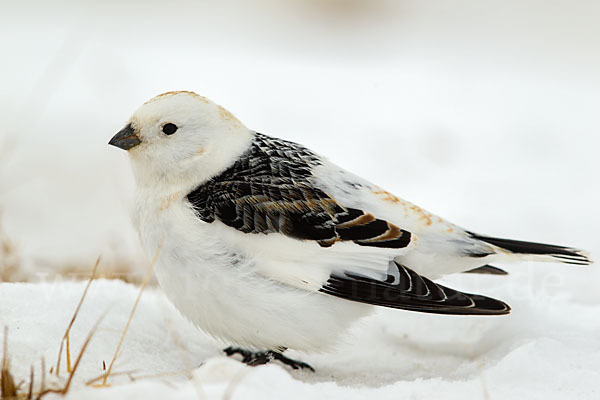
169 129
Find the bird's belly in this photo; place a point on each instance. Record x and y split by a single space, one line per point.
218 288
252 312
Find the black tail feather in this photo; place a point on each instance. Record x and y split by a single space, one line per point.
562 254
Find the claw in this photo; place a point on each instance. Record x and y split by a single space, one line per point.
254 358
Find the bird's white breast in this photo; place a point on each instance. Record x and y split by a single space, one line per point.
215 280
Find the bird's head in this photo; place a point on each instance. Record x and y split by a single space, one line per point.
181 136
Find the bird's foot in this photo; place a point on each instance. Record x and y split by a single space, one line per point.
295 364
254 358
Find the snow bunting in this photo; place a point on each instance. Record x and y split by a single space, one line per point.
268 246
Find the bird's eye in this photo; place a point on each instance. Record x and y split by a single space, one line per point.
169 129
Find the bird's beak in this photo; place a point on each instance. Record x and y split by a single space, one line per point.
125 139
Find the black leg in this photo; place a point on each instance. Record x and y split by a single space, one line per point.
254 358
292 363
250 357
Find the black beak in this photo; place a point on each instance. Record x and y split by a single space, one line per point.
125 139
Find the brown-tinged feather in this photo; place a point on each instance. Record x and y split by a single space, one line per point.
362 220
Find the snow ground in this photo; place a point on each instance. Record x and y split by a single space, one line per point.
547 348
483 113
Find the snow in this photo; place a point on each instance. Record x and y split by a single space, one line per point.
547 348
484 113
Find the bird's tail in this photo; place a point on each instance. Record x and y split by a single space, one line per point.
538 251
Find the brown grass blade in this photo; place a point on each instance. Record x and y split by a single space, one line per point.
92 382
69 368
43 384
30 391
80 355
8 389
66 335
65 388
137 301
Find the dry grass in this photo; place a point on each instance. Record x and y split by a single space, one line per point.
137 300
10 390
66 335
118 269
10 259
7 382
12 268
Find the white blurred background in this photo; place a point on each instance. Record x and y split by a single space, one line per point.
483 112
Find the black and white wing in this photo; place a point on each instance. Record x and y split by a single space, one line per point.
271 190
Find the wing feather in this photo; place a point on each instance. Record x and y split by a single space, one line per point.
410 291
271 189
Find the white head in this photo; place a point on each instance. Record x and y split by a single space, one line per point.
181 138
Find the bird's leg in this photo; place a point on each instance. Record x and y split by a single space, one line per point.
254 358
250 357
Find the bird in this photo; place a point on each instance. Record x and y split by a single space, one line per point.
266 245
